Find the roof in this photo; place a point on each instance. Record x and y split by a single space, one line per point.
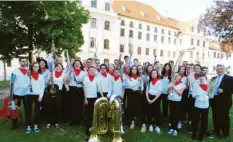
140 11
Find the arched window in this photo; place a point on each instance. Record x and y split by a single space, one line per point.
107 25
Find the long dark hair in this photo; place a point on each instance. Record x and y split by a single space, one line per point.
185 70
130 73
31 67
148 67
151 74
169 72
46 63
82 68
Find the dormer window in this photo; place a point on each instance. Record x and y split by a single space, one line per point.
143 14
158 17
125 9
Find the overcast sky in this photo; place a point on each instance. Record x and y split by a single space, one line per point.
180 9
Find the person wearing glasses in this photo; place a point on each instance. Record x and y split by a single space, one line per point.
35 94
19 89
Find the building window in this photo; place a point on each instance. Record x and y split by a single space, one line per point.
161 53
192 41
79 2
122 23
106 60
155 38
169 32
131 24
148 28
130 48
168 53
122 48
221 56
139 50
154 52
155 30
93 23
107 6
191 54
122 32
8 63
106 44
148 37
174 41
214 54
131 33
180 41
140 26
162 31
139 35
198 42
174 33
94 3
92 42
147 51
203 56
162 39
169 40
218 55
107 25
174 54
197 55
203 43
192 29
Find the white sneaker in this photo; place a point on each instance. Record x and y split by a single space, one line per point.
122 130
174 133
143 129
179 126
132 125
151 128
157 129
170 131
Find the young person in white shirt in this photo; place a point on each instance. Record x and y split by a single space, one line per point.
111 70
166 79
201 107
53 111
135 83
117 84
104 82
76 94
35 94
90 93
20 80
153 92
175 90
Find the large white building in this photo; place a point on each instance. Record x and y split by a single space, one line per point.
121 27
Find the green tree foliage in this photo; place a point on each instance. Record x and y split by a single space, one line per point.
33 24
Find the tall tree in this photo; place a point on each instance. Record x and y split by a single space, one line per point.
218 21
33 24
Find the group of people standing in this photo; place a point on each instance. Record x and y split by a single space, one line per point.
151 96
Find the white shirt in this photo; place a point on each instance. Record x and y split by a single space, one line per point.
192 82
20 83
165 82
38 86
59 81
46 74
184 80
155 89
201 97
135 84
125 78
91 87
117 87
74 79
104 83
174 96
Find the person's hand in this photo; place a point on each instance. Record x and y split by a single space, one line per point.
86 102
220 90
39 99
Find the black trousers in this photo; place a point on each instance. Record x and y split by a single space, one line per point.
76 105
175 112
89 113
30 99
134 105
125 98
65 105
145 111
185 106
200 115
104 93
222 119
190 106
164 105
154 111
19 98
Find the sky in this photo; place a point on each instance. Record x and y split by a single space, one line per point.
182 10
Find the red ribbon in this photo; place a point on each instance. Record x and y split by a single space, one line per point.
23 71
154 81
58 74
35 75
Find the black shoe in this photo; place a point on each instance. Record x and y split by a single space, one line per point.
209 135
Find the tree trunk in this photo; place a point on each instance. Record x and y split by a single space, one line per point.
4 67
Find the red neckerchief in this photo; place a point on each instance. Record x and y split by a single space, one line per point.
134 76
43 69
91 77
195 76
177 83
23 71
77 71
204 87
166 74
98 69
117 77
35 75
104 74
154 81
111 73
58 74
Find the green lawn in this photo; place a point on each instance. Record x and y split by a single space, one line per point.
4 84
76 134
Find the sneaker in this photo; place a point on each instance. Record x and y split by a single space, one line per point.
48 125
122 130
28 130
174 133
170 131
36 129
151 128
56 126
157 129
143 129
132 125
179 126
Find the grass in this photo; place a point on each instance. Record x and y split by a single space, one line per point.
4 84
76 134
